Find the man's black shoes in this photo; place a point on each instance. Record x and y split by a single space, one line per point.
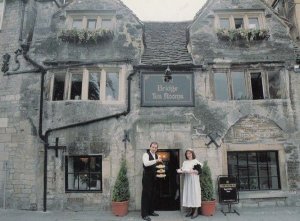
153 214
147 218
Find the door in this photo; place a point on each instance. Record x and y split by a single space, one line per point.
168 188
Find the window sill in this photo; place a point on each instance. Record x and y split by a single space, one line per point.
280 100
83 191
262 194
89 101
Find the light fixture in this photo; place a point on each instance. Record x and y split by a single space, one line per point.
168 74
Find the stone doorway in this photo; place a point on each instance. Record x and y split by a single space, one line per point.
168 188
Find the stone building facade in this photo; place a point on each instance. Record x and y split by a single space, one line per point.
85 83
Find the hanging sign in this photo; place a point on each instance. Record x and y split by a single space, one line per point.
156 91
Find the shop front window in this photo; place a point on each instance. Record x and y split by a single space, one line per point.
255 170
83 173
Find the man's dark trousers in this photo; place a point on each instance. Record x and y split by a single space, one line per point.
148 193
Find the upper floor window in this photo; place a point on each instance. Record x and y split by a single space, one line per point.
2 7
240 20
83 173
91 21
91 83
249 84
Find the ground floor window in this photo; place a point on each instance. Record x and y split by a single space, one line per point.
83 173
255 170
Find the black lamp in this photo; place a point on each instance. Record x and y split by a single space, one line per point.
168 74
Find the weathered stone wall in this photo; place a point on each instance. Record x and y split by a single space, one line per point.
19 145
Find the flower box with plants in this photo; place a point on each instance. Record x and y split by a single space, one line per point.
242 34
121 194
208 204
83 36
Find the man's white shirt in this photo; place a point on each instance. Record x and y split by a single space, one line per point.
146 160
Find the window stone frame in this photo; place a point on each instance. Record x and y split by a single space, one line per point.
2 11
103 69
240 14
247 76
67 190
230 147
85 15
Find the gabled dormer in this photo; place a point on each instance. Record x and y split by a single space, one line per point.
88 30
238 31
245 47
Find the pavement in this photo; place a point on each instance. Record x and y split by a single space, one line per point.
246 214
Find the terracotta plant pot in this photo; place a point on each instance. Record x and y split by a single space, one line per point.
208 208
120 208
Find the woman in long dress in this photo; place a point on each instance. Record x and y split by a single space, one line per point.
191 185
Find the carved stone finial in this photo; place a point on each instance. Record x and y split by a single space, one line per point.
5 65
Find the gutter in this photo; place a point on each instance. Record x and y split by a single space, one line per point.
159 67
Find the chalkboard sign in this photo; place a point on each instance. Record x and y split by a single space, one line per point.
228 192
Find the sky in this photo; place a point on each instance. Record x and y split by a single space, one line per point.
164 10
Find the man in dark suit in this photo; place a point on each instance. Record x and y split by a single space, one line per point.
150 159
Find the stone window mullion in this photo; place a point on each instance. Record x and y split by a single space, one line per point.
84 22
51 87
246 21
229 83
231 21
67 85
122 91
103 85
249 85
265 83
69 22
2 10
99 21
217 22
85 84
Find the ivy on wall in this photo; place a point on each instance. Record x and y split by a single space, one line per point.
242 34
82 36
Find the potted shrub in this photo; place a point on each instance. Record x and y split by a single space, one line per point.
208 204
120 194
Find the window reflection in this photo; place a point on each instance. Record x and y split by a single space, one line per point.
94 85
274 85
221 91
91 24
253 23
255 170
77 24
107 24
238 84
84 173
112 86
224 23
76 87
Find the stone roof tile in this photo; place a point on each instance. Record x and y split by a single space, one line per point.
165 43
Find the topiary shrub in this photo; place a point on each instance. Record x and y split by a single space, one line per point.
207 189
121 188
